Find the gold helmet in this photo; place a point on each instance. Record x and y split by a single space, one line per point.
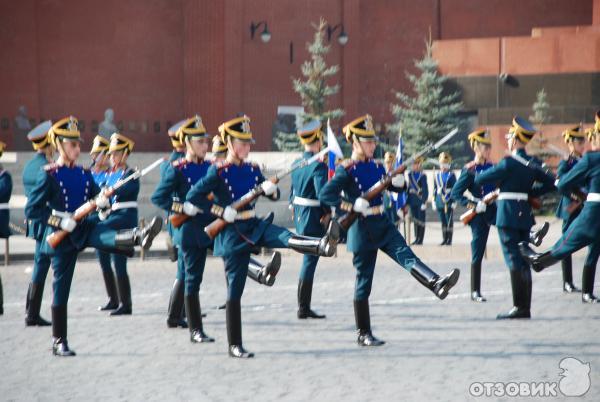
573 132
218 146
479 136
238 128
522 129
191 127
310 132
65 129
118 142
39 135
445 157
100 144
361 128
2 147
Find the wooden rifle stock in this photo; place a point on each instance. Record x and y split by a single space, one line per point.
468 216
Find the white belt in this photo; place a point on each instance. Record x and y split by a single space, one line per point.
4 205
124 205
306 202
61 214
593 197
513 196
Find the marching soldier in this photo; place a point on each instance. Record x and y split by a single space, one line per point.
468 194
307 182
64 187
229 181
584 229
100 170
515 179
575 139
44 152
418 194
373 231
5 193
443 182
123 214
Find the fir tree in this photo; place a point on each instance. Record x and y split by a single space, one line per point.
313 88
431 113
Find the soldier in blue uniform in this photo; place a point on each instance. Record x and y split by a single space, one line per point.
418 194
307 182
123 214
44 152
64 186
373 231
517 180
100 169
575 139
468 194
5 193
229 181
584 229
443 182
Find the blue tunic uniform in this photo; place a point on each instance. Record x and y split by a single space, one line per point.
307 183
180 275
371 233
442 189
229 182
418 193
37 227
480 224
176 181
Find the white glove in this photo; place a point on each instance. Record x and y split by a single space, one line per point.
102 201
68 224
361 205
398 181
480 207
433 207
423 207
190 209
229 214
268 187
103 214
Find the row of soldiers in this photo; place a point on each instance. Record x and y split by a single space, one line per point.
203 191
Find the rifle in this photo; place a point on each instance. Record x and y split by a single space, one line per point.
215 227
55 238
577 196
348 219
468 216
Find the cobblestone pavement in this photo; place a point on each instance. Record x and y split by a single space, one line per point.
435 349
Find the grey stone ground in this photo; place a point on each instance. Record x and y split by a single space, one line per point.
434 349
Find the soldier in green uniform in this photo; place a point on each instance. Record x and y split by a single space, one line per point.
443 181
373 231
229 181
307 182
466 193
575 140
584 229
418 193
517 179
5 193
44 152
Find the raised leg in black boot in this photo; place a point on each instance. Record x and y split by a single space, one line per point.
362 317
439 285
60 346
234 330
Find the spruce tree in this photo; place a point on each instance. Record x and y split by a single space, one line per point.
432 112
313 88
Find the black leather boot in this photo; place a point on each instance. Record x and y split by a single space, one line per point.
440 286
567 272
172 250
520 296
304 298
417 228
265 274
444 236
60 346
362 317
124 296
111 291
537 261
449 235
324 246
175 312
587 288
192 307
33 319
234 330
476 283
422 233
536 236
142 237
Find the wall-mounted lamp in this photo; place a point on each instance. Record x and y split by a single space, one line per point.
265 35
342 37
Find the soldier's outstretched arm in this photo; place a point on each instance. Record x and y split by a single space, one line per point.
494 174
462 185
574 177
163 194
330 194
